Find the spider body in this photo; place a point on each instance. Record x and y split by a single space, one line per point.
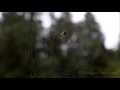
63 33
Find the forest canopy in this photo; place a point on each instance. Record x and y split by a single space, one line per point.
65 49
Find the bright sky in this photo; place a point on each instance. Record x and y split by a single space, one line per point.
108 21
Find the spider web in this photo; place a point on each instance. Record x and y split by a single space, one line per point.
43 62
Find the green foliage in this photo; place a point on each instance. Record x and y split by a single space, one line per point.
15 39
24 54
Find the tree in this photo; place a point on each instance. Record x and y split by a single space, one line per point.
15 42
82 44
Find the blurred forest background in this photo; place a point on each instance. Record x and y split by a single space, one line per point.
28 50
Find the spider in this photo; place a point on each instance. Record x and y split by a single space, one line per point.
63 33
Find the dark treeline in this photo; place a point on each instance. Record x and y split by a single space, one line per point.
66 49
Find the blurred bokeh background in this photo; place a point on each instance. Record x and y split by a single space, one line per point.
31 44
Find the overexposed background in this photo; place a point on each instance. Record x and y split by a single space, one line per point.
108 21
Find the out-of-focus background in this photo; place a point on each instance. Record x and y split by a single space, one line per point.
32 44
